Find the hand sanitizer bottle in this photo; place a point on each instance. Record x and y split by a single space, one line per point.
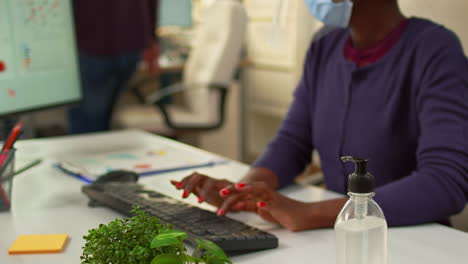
360 228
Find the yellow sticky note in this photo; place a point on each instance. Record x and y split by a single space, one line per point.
31 244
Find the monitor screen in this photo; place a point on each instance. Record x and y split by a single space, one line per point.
38 62
175 13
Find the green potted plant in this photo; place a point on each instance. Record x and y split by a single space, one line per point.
143 239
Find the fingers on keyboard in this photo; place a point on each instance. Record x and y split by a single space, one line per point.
177 184
260 190
232 202
209 191
228 190
195 180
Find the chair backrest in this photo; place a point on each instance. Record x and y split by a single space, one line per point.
216 52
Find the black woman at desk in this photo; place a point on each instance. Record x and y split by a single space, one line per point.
382 86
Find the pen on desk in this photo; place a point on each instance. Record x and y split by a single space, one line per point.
4 196
10 141
69 169
14 135
28 166
189 167
22 169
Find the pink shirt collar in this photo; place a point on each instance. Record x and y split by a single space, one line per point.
363 57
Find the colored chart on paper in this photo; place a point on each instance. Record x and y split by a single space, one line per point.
140 160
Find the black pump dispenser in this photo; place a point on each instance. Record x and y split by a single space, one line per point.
360 181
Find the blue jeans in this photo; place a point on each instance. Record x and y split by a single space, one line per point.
102 80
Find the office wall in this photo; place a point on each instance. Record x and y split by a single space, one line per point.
450 13
276 51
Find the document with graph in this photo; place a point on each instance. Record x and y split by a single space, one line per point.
145 161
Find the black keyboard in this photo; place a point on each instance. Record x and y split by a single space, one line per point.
231 235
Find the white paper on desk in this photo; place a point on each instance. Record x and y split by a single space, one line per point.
140 160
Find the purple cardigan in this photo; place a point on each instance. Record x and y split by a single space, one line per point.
407 113
114 27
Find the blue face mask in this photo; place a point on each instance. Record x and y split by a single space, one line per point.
330 13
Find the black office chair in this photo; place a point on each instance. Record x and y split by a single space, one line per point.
207 77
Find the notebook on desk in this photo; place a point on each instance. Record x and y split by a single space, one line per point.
144 161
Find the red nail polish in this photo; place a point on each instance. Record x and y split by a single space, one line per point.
220 212
178 185
240 185
224 192
200 199
185 194
261 204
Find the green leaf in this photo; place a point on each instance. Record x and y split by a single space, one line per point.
212 249
167 259
216 260
191 259
168 238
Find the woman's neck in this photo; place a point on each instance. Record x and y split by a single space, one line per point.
372 21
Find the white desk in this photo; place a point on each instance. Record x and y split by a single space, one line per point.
47 201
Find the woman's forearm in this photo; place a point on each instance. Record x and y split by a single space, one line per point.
311 215
323 214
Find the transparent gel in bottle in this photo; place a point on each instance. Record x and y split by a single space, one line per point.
361 228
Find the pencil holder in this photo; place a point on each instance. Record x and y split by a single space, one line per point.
7 169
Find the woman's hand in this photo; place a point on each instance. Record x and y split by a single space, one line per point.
261 198
269 204
204 187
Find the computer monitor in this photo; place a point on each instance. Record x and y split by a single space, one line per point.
175 13
38 61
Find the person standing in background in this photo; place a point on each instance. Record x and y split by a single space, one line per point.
112 37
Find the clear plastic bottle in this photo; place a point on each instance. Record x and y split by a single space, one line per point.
361 228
